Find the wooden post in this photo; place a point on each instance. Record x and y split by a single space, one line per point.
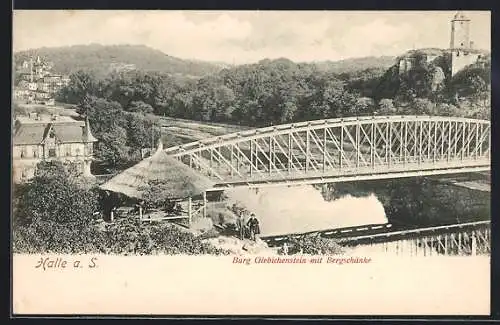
473 245
190 210
204 204
459 243
431 247
424 244
140 213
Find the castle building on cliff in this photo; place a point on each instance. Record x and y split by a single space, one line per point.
461 52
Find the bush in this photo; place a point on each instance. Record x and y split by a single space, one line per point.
314 244
124 237
55 194
210 233
52 237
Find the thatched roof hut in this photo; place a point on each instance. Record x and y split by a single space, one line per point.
178 180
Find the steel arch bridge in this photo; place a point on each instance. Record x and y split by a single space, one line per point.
338 150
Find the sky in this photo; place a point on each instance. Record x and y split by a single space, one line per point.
248 36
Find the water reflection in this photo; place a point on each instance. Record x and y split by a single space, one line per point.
283 210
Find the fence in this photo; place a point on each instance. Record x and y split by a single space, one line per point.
462 239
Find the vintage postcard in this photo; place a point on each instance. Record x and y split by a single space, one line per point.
251 162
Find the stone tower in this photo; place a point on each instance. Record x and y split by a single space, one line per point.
460 32
462 53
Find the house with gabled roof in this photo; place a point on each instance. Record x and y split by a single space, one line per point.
38 138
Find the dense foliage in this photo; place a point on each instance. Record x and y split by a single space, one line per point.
281 91
419 201
429 88
314 245
56 194
156 195
121 134
269 92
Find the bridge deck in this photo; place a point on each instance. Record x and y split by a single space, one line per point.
284 177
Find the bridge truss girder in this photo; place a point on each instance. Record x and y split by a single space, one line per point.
342 150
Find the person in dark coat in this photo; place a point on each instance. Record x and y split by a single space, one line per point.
253 226
241 226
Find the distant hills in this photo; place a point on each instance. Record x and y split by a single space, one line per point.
356 64
102 59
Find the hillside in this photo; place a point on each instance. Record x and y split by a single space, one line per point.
355 64
102 59
430 75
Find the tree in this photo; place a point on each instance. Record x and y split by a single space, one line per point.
154 195
421 106
288 112
81 84
386 107
140 107
363 106
140 131
56 195
112 148
445 109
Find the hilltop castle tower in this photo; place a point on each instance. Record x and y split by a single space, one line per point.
461 47
460 32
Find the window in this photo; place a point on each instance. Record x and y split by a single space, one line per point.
23 152
68 150
35 153
52 152
77 151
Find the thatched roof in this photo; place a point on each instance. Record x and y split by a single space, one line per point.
178 180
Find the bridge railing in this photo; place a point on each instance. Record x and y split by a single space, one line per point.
342 146
315 124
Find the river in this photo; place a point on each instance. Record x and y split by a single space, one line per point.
405 203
